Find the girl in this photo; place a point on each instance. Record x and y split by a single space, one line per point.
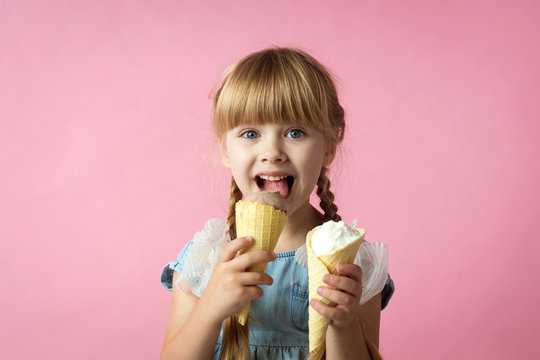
278 121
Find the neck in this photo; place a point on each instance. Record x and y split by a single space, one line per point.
298 224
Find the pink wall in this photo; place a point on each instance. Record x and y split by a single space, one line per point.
105 121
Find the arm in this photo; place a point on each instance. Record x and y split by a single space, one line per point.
361 339
192 332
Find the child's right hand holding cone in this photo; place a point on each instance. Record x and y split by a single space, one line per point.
231 287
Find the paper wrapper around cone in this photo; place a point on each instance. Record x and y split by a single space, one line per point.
264 224
318 266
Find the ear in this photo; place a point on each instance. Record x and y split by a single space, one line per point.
223 152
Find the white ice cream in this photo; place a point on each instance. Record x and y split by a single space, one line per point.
332 235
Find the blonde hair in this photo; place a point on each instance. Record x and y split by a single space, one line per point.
276 85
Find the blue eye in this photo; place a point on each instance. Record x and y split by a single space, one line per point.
296 131
295 134
247 132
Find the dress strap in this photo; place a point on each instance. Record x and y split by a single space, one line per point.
300 255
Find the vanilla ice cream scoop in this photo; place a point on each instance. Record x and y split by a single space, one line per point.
332 236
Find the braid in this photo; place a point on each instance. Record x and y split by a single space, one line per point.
235 195
327 197
235 336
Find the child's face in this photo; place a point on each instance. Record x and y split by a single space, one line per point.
249 150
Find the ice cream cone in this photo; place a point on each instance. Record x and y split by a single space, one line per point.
264 224
318 266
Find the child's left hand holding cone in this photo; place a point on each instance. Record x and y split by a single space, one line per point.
345 291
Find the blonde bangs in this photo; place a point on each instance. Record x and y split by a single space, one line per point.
271 87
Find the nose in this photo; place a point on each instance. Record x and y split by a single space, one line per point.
274 158
273 152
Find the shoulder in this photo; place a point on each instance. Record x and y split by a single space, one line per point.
207 243
213 233
214 229
373 259
197 258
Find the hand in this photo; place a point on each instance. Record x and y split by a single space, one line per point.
345 290
231 286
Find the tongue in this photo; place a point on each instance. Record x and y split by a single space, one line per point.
280 186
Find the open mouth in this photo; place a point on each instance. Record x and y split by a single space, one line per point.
282 186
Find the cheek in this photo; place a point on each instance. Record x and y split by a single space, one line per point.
240 160
240 172
315 160
311 170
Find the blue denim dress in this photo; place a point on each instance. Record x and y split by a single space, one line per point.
278 326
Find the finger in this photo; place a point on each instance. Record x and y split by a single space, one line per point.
254 278
323 309
229 251
337 296
343 283
246 260
253 292
350 270
334 314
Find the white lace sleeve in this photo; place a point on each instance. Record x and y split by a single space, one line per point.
373 260
196 261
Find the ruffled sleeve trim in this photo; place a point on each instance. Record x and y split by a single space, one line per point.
373 260
197 259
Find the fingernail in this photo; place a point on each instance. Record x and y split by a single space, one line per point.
319 291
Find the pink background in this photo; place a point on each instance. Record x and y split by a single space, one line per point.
109 164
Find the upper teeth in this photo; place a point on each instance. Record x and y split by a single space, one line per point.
272 178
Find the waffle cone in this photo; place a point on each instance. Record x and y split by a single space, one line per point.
318 266
264 224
